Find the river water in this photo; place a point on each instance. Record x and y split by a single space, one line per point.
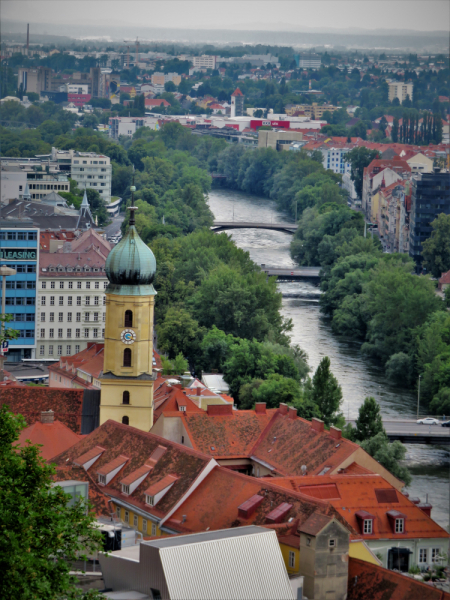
358 376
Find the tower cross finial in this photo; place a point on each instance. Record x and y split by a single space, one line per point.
132 208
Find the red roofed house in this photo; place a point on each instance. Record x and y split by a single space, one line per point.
398 529
152 103
267 442
54 436
379 170
444 281
237 103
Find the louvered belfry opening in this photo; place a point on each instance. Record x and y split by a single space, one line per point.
128 318
127 357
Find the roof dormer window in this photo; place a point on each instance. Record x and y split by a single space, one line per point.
367 526
126 489
150 500
102 479
399 525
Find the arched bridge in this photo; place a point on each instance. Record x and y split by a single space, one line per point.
223 225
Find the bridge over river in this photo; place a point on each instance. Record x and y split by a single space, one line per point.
409 432
224 225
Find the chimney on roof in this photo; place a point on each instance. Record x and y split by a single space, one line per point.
317 425
47 416
283 409
335 433
292 414
260 408
198 391
219 410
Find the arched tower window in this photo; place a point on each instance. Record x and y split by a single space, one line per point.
127 357
126 398
128 318
125 420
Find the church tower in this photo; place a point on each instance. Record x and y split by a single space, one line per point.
127 380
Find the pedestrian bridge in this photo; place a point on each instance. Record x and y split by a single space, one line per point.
224 225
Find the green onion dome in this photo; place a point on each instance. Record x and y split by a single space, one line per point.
131 262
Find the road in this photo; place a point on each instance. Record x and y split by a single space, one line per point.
409 432
114 227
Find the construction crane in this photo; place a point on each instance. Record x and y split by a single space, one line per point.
137 44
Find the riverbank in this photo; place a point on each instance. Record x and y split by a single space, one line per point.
358 375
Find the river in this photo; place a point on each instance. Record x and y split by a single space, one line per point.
358 376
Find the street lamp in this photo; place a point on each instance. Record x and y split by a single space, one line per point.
4 273
418 397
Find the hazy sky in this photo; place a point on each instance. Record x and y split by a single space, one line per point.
293 15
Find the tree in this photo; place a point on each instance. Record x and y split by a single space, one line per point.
98 206
178 366
179 333
359 158
388 454
327 393
440 405
436 249
258 114
169 86
400 368
40 534
369 422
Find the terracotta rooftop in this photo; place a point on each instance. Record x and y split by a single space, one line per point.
30 402
314 524
55 437
366 580
123 440
371 493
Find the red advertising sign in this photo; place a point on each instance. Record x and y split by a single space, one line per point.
255 123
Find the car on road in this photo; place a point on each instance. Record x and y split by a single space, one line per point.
428 421
445 424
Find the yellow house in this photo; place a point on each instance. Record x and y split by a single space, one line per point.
127 380
139 523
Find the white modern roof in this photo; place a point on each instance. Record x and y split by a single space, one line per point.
215 381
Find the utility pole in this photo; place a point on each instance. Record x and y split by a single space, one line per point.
418 397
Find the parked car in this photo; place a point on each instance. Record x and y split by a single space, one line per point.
428 421
445 424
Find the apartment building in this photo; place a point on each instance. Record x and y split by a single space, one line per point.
71 300
237 103
162 78
204 61
90 170
19 250
308 60
398 89
313 111
128 125
35 80
41 176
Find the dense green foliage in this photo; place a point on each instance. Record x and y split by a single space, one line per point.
40 534
436 249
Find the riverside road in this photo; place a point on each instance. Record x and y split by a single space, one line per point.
409 432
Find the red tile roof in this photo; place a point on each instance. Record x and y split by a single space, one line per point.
314 524
160 485
444 278
66 404
137 474
55 437
89 455
366 580
112 465
370 493
237 92
118 439
152 102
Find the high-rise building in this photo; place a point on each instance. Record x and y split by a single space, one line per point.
35 80
400 90
429 198
205 62
127 381
237 103
308 60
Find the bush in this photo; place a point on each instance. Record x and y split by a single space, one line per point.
399 368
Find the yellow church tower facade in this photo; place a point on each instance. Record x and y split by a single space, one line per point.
127 380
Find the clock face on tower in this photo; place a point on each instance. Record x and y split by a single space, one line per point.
128 336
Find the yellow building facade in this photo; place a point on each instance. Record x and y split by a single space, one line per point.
127 380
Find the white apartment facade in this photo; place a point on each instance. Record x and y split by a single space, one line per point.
398 89
88 169
204 61
71 307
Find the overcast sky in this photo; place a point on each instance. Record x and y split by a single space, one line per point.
293 15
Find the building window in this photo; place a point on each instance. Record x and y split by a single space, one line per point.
118 511
78 285
43 301
68 350
77 333
105 285
52 317
77 348
104 300
88 301
52 300
144 525
125 420
50 350
135 521
86 316
292 559
51 333
69 333
367 525
102 480
78 317
97 285
182 439
128 318
60 317
59 350
69 317
104 317
95 316
127 357
399 525
103 333
70 285
78 300
88 285
153 528
96 300
52 285
126 398
43 317
41 350
423 555
332 543
125 489
86 333
69 300
60 333
435 555
95 333
44 285
127 517
61 285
